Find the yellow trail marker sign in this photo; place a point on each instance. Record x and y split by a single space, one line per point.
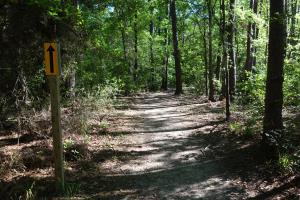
51 58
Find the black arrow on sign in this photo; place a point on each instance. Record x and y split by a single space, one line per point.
51 50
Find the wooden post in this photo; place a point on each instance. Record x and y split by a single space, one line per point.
57 133
52 69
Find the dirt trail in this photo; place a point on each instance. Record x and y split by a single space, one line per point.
173 148
160 146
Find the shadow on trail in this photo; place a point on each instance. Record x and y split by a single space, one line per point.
176 179
193 127
202 174
165 100
197 173
178 158
172 152
152 107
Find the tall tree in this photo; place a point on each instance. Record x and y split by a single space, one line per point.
164 85
211 95
123 29
294 7
292 37
151 32
274 84
231 49
176 53
135 29
225 81
205 59
252 33
72 75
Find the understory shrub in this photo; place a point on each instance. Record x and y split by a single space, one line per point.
90 105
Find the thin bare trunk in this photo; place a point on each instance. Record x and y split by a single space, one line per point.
135 48
164 85
177 56
211 95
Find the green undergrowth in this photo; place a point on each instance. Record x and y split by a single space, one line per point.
31 192
248 124
71 189
90 107
246 121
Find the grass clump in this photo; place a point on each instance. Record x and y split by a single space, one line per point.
286 162
71 189
75 151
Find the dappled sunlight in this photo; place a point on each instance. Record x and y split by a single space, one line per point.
147 163
160 153
149 99
171 152
213 188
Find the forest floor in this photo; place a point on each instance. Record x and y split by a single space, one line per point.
154 146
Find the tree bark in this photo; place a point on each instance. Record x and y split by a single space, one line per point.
125 51
126 62
211 95
177 57
164 85
218 66
294 6
231 49
292 40
135 48
274 84
252 33
151 32
205 60
72 79
124 46
225 81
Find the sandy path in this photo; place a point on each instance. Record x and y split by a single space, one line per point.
172 150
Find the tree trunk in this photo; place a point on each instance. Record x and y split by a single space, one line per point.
164 85
125 50
177 57
135 48
286 7
231 49
294 7
226 78
227 87
183 34
72 76
151 32
124 46
249 61
211 96
252 33
126 64
275 78
205 60
219 63
218 66
292 36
